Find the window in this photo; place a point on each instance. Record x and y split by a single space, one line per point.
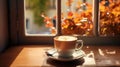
88 27
42 17
109 17
77 17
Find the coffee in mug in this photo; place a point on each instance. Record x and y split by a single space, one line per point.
67 45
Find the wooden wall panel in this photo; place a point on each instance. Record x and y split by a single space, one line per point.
3 24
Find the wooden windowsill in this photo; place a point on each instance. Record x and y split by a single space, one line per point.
34 55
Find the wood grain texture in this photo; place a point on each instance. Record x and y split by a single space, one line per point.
34 55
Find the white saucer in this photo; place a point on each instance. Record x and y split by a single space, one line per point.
53 54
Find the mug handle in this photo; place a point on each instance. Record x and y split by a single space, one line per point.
78 43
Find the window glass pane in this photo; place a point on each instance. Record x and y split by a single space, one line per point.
109 17
76 17
40 17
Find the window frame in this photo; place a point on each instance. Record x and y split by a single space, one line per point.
16 8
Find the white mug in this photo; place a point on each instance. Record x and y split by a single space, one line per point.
67 45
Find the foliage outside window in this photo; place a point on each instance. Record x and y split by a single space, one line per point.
38 7
110 17
78 17
78 20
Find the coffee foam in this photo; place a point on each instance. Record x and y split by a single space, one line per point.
66 38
